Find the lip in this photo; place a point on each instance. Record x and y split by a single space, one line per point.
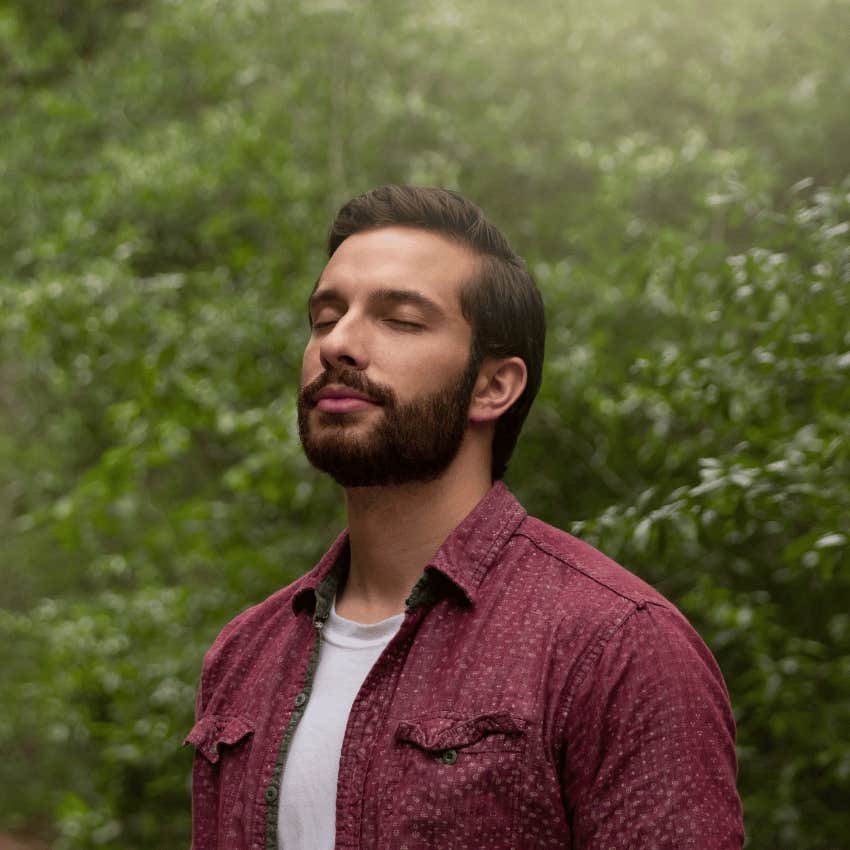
339 399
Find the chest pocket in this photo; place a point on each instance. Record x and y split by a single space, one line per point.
453 782
224 740
499 731
214 733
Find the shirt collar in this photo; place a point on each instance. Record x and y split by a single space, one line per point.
464 557
319 585
470 550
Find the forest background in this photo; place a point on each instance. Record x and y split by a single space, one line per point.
676 175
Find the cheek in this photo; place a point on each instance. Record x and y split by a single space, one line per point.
311 366
430 372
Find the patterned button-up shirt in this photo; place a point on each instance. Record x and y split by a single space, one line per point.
537 695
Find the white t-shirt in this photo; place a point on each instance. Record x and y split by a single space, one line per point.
307 811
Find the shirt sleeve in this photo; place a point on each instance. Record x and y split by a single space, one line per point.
649 743
205 793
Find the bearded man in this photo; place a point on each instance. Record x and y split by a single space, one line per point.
453 673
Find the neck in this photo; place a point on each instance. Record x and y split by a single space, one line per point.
395 531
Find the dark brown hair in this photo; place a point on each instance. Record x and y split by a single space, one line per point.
502 303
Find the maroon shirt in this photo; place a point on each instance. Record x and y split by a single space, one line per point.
536 696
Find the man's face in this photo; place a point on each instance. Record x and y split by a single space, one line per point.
387 373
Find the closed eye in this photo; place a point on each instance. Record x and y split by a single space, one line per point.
403 324
325 323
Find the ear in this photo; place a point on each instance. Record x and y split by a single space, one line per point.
500 383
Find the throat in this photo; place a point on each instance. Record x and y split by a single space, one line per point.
394 533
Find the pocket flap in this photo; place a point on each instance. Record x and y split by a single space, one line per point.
442 733
213 730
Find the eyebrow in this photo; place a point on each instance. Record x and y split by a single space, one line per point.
393 296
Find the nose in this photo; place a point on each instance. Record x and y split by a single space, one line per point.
343 346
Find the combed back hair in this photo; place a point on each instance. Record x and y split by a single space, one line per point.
501 303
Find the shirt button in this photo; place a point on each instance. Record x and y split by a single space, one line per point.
214 748
449 756
300 699
270 793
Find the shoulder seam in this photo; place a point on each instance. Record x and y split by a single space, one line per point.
639 602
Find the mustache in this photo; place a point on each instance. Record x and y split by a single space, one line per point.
350 378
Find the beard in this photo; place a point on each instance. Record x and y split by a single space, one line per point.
413 442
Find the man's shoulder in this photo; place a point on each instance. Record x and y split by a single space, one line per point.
583 567
591 597
254 625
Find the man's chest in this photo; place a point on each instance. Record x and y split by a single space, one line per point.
445 744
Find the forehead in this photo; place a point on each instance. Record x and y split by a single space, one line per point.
400 258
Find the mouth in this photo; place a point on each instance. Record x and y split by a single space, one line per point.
341 399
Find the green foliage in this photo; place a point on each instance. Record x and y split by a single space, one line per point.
678 181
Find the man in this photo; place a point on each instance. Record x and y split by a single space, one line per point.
453 673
